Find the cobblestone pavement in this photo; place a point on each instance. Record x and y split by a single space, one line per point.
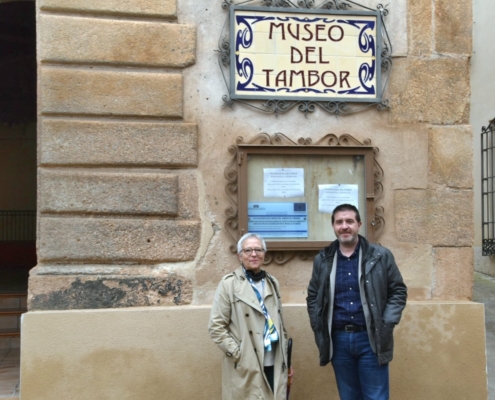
9 373
484 292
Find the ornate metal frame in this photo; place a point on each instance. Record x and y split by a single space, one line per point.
278 106
278 139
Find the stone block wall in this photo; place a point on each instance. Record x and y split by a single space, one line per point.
121 173
133 141
431 87
117 179
425 144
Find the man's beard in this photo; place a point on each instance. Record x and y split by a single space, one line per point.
351 240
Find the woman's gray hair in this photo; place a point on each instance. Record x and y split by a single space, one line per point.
247 236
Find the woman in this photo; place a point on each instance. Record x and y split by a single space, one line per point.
246 323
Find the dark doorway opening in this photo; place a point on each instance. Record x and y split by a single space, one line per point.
17 163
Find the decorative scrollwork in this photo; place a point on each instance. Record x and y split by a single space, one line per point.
279 257
378 221
343 140
305 141
306 3
276 3
383 106
336 5
378 187
277 139
386 59
490 128
378 173
307 255
230 173
277 107
307 107
383 9
227 101
282 257
227 3
224 52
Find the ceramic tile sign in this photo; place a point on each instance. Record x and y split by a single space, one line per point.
300 54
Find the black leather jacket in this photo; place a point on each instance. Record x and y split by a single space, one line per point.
384 299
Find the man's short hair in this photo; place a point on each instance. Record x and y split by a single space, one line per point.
247 236
346 207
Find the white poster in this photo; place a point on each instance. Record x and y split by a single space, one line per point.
330 196
283 182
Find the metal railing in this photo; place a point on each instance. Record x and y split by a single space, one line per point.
488 189
17 225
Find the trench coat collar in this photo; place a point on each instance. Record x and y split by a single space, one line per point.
245 292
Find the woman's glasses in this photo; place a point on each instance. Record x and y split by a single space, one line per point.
248 251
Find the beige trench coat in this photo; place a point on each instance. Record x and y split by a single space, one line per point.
236 326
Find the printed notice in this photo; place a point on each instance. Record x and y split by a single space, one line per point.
330 196
283 182
282 220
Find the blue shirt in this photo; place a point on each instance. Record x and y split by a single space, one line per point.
347 308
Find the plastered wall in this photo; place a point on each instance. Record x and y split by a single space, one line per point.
424 141
480 116
144 353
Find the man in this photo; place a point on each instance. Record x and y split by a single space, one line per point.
355 298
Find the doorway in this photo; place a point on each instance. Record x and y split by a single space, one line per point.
17 174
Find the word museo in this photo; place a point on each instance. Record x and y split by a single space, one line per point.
307 55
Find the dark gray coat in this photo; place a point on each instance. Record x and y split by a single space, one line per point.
383 294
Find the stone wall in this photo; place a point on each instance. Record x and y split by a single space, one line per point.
125 181
133 140
117 178
425 144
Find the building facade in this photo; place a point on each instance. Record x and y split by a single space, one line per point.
133 143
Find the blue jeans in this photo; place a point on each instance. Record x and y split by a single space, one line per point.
358 375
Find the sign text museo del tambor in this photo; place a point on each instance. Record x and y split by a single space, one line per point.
302 55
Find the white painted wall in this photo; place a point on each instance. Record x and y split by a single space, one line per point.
482 107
